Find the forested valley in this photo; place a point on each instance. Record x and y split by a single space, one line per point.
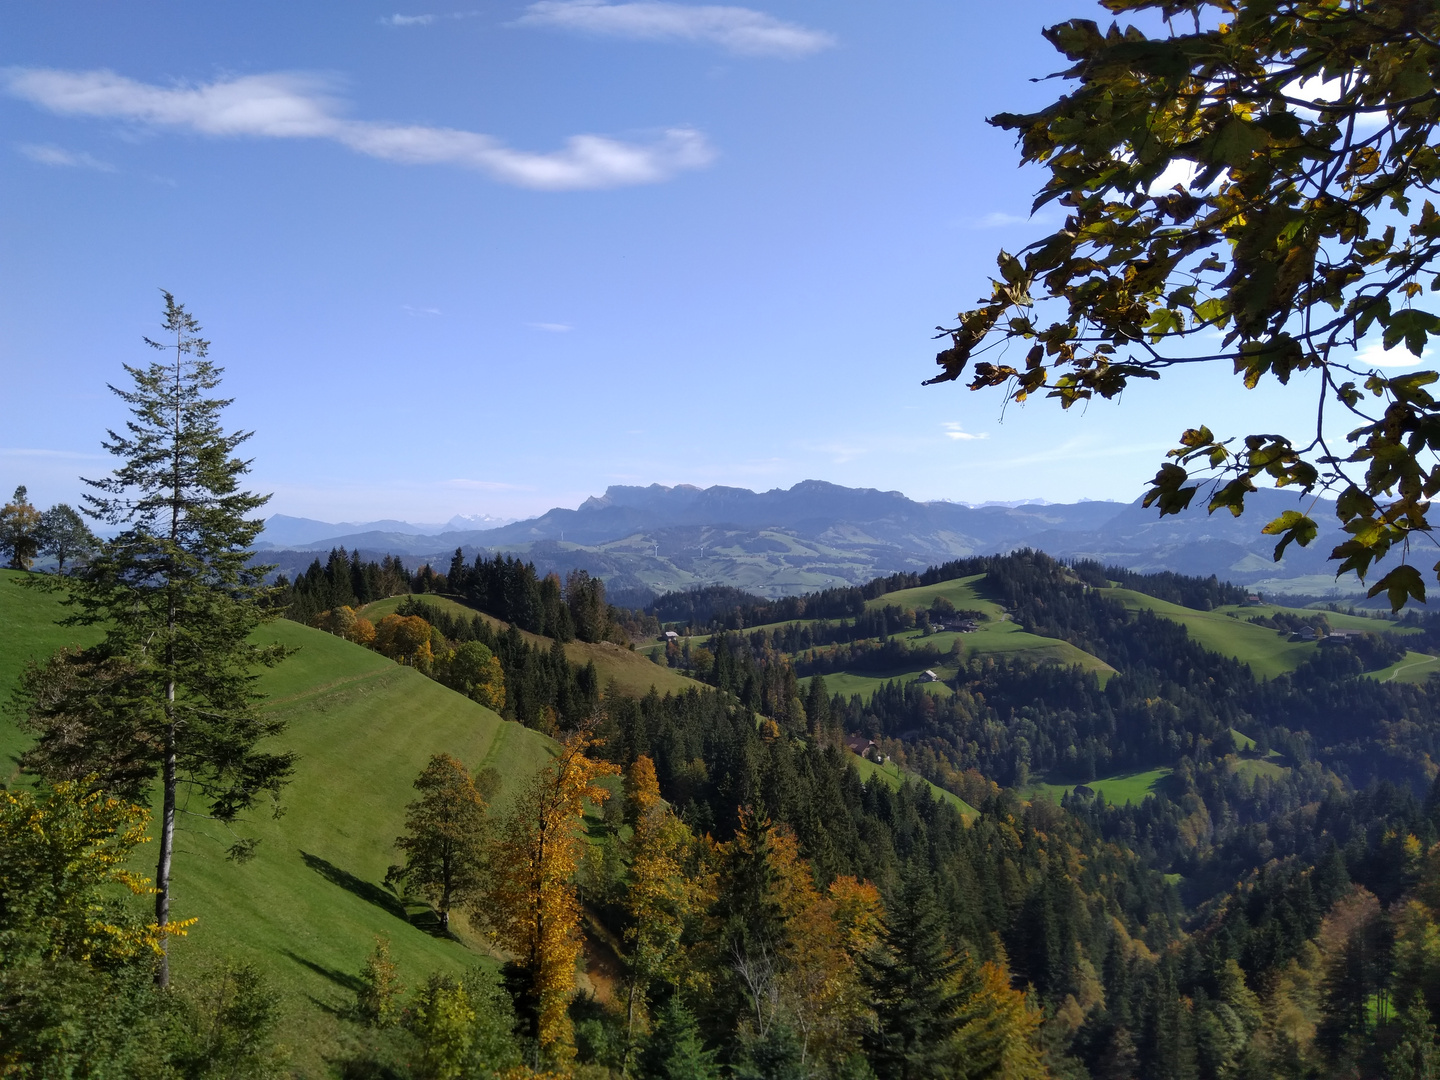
1267 908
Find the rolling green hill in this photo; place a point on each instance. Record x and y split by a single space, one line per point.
1268 652
634 672
307 908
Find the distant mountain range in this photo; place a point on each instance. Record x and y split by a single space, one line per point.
817 534
282 531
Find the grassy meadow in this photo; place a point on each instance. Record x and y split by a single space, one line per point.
1121 788
308 906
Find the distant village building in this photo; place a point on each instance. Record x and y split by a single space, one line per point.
1084 789
962 626
1253 600
1305 633
670 635
928 676
859 744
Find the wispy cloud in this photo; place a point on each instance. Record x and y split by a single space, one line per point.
551 327
420 312
295 106
954 430
48 154
425 20
735 29
998 219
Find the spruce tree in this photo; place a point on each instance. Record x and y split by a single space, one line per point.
911 978
169 690
675 1050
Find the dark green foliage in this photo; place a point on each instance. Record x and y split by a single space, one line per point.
776 1055
675 1049
64 536
910 978
536 678
168 693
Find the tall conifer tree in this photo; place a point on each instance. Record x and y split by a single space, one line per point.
169 690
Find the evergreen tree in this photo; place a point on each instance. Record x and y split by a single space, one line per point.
169 690
911 982
675 1050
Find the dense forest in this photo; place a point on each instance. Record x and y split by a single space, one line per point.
1238 921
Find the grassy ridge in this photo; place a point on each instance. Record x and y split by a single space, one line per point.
1266 651
1226 630
633 672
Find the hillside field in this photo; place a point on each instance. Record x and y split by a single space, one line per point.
1121 788
307 908
1226 630
891 774
634 672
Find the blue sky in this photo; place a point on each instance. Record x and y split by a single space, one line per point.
494 259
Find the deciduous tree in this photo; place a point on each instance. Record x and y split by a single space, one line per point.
530 905
1249 186
405 638
64 535
476 672
19 530
444 841
661 895
178 596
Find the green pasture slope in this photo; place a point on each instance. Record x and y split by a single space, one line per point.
1122 788
1226 630
891 774
633 671
997 636
308 906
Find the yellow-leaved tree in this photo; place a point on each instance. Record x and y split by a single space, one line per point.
530 905
663 892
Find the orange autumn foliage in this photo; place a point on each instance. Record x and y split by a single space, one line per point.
405 638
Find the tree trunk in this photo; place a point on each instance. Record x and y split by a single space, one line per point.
167 843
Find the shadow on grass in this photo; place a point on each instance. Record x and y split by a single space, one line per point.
344 979
365 890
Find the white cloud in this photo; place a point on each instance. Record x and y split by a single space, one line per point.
420 312
47 154
425 20
957 431
551 327
1319 91
295 106
735 29
1375 354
